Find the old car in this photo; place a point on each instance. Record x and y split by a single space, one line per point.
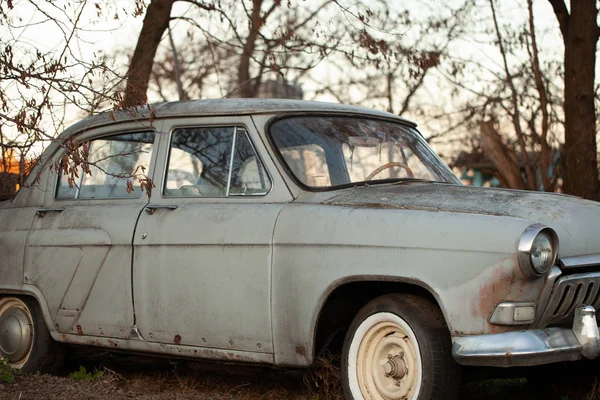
278 229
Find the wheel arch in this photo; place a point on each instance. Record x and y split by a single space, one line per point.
349 295
34 293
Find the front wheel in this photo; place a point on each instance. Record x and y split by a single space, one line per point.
398 347
24 338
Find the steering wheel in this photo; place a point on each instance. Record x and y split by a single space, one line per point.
390 165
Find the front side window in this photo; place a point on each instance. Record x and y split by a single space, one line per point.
114 161
214 162
335 151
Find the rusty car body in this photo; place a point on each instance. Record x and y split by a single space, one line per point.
274 268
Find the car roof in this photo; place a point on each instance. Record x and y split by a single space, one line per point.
195 108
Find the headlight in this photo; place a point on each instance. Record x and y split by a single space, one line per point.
538 249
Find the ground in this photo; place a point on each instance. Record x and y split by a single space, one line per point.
149 379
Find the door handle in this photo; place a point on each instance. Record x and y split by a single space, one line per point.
43 210
151 208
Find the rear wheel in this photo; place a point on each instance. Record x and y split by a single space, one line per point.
24 338
398 347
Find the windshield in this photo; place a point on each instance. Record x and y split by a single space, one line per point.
330 151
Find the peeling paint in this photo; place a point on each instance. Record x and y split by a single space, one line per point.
301 351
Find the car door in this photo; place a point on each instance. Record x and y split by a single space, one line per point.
79 250
202 249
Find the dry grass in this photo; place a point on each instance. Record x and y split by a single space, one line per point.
323 380
155 379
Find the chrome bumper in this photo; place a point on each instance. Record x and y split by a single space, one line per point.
532 347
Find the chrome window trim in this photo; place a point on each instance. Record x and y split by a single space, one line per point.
236 126
78 188
261 163
231 155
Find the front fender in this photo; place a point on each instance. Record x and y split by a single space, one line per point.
467 262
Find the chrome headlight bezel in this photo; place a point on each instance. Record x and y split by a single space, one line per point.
526 246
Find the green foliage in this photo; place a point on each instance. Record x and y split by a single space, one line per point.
83 375
7 374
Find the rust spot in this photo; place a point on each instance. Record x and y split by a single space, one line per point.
301 351
177 339
79 331
499 283
113 343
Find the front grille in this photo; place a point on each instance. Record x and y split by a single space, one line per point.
569 292
580 264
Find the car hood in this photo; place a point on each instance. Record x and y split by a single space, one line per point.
576 221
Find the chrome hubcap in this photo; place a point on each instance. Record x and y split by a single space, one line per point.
16 331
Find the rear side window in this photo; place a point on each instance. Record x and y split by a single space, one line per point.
214 162
113 160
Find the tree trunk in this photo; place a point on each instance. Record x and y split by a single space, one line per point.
580 34
155 23
246 88
503 158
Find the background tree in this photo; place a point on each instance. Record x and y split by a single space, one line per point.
203 70
513 104
44 86
394 78
579 29
507 83
272 40
241 28
156 22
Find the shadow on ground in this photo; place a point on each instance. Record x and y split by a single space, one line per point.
142 378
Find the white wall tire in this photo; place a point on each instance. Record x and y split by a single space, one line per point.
398 348
386 354
24 338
